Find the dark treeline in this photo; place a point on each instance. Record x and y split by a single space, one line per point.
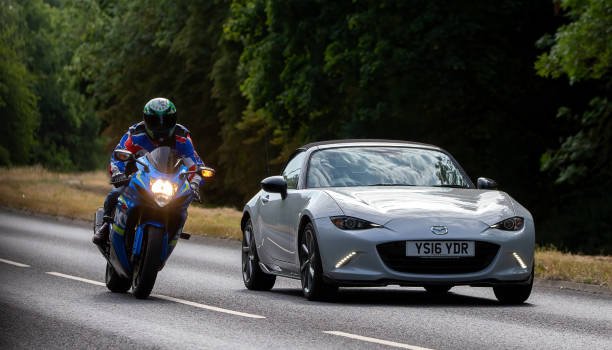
517 90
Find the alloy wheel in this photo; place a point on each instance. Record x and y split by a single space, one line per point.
252 275
248 254
307 260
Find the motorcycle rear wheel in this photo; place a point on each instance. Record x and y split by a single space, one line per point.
114 282
148 264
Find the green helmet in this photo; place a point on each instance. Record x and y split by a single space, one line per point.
160 118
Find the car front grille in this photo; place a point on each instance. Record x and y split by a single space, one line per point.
394 256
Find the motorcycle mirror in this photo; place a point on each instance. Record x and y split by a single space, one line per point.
207 172
123 155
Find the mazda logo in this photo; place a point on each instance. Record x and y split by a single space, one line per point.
439 230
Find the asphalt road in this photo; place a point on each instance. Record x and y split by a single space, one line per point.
58 301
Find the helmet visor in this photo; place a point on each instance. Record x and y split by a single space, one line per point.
160 122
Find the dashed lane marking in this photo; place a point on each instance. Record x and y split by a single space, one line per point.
165 297
14 263
80 279
206 307
376 341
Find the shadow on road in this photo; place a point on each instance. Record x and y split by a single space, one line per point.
395 297
125 299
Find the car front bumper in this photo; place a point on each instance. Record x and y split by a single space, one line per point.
351 258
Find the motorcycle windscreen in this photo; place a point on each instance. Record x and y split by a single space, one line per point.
164 159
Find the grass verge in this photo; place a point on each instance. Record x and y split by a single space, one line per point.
552 264
77 195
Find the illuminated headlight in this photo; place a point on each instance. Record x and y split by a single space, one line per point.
512 224
163 191
351 223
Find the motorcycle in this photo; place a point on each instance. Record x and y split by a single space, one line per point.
148 220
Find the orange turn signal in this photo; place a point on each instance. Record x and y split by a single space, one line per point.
208 173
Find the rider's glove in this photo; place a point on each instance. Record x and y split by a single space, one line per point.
195 188
118 179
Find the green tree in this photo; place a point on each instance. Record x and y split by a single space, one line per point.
581 51
449 73
47 120
18 100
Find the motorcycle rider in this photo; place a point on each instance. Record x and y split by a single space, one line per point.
159 128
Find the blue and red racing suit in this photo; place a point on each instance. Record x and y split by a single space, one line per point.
137 141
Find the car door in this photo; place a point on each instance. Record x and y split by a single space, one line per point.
280 217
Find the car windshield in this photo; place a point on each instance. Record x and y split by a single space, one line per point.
164 159
383 166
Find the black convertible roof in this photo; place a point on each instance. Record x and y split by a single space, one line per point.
365 141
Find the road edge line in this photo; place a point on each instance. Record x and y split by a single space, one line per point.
80 279
164 297
376 340
14 263
206 307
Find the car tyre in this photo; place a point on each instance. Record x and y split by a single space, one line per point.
438 289
252 275
314 286
514 294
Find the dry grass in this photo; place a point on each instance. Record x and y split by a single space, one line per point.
218 222
552 264
77 195
35 189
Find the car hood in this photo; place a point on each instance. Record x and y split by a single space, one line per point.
383 204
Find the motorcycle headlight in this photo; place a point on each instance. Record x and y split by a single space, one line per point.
163 191
511 224
351 223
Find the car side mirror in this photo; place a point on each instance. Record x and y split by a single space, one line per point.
484 183
275 184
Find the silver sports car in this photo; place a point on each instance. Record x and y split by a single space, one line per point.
377 212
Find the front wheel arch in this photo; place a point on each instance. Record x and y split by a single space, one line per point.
246 216
314 284
305 220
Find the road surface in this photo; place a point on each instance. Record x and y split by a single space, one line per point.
52 296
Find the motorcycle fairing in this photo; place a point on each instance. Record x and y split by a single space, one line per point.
138 194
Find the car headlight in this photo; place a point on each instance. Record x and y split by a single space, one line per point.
511 224
351 223
163 191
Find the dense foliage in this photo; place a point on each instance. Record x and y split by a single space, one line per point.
253 79
45 118
581 51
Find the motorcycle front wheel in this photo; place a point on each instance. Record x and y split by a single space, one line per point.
148 264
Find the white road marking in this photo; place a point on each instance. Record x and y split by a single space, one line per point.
206 307
377 341
77 278
164 297
14 263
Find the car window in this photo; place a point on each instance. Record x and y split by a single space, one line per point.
293 169
383 166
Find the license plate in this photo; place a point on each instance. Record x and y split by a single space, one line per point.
440 248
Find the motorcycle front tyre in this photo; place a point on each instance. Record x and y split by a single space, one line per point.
148 264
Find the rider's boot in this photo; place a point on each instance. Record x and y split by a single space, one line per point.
101 235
